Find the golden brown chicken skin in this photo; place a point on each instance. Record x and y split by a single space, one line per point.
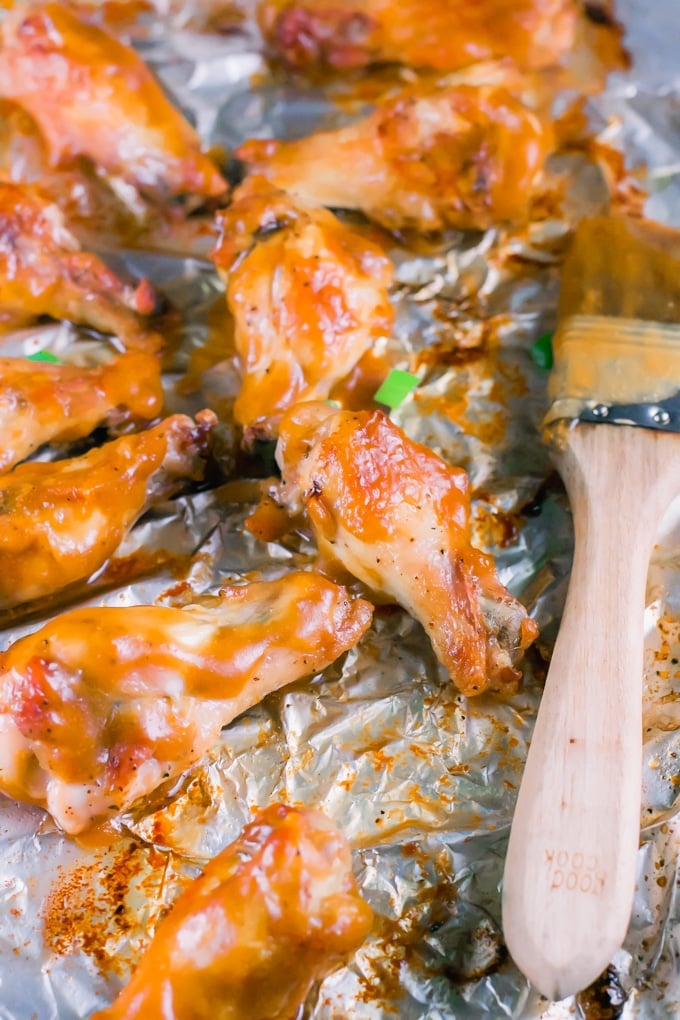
308 295
270 915
396 516
43 272
60 522
439 34
459 156
59 403
101 705
92 95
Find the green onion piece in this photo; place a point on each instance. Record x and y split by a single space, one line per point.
44 356
542 352
332 403
396 388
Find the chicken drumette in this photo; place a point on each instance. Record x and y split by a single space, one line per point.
44 272
60 522
101 705
92 95
274 912
393 514
439 34
59 403
456 156
309 296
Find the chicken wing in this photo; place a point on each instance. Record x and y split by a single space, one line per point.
60 522
97 212
43 272
48 403
100 706
458 156
438 34
309 296
396 516
273 913
93 96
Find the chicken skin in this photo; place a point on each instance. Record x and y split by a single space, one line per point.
459 156
43 272
270 915
393 514
308 295
438 34
60 522
92 95
54 403
100 706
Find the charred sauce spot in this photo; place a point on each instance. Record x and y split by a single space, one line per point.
604 999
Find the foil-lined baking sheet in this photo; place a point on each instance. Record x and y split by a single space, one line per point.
421 780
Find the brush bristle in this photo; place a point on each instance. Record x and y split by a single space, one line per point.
623 268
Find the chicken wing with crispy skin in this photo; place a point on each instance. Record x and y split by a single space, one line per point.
60 522
270 915
101 705
92 95
396 516
44 272
439 34
457 156
309 296
59 403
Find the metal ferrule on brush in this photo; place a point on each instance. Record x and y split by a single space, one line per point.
615 371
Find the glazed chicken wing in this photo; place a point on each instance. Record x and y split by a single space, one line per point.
102 705
396 516
49 403
43 272
440 34
60 522
460 156
275 911
93 96
308 295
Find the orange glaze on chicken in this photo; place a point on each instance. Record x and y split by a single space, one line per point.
396 516
309 297
43 272
60 522
461 156
48 403
101 705
270 915
440 34
92 95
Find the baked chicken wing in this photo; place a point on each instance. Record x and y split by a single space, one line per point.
396 516
50 403
92 95
440 34
101 705
309 296
275 911
459 156
44 272
60 522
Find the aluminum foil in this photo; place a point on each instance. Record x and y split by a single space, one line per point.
421 780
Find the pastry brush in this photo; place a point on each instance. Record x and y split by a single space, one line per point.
570 870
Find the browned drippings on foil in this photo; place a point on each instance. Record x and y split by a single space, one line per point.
94 908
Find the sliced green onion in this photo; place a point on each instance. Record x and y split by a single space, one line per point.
332 403
44 356
542 352
396 388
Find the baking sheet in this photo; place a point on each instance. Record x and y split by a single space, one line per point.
422 781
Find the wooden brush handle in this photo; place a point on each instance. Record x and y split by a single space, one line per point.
570 869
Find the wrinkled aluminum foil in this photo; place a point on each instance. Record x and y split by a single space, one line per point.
422 781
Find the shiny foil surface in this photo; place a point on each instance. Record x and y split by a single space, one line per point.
421 780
